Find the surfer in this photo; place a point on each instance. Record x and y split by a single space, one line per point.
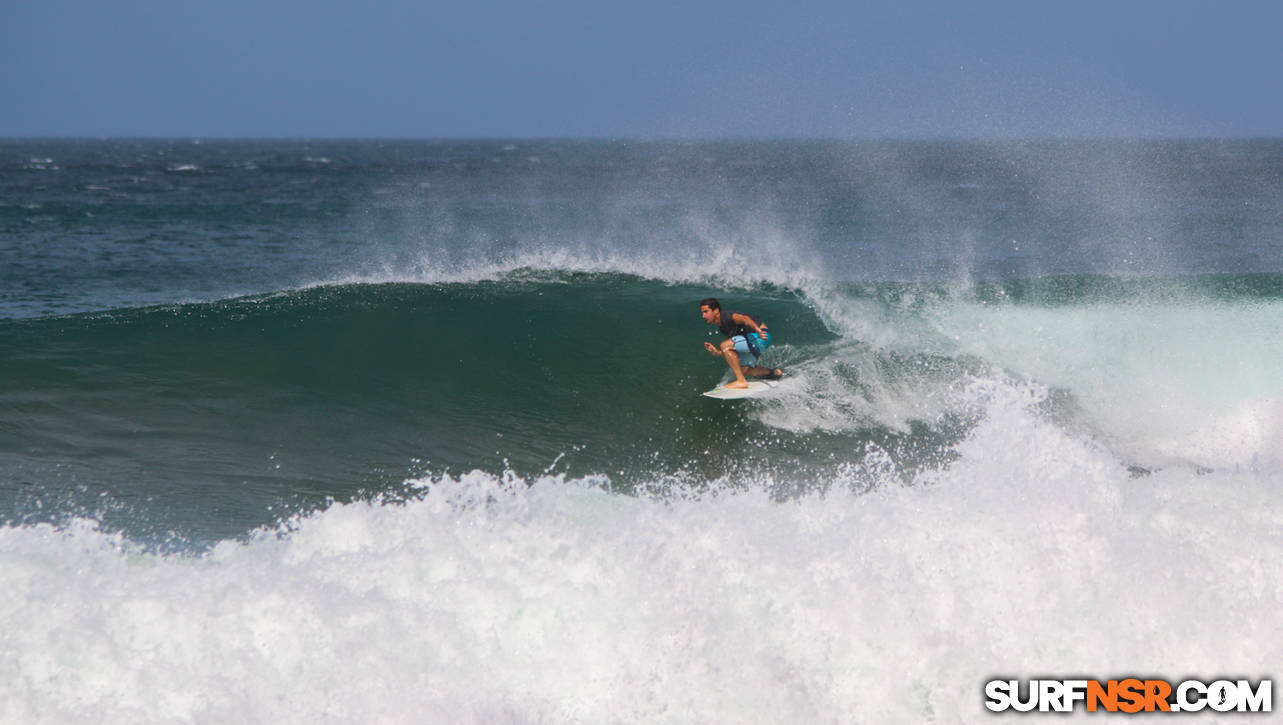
746 339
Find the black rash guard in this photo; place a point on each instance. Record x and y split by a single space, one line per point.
731 328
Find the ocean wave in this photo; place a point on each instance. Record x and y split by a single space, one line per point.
289 399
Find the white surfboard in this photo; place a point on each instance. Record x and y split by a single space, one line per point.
754 388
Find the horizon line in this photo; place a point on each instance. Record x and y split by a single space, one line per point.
197 138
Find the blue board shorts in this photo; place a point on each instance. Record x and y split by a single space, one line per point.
744 345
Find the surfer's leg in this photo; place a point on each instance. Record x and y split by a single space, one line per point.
733 360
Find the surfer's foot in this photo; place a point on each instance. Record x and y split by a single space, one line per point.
736 384
775 374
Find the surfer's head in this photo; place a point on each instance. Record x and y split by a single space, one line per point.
711 310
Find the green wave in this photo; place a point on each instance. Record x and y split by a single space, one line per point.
329 391
233 412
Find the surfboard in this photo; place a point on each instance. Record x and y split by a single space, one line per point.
755 387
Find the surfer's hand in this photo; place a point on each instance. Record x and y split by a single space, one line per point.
709 346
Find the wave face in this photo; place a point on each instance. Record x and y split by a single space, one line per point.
330 391
295 431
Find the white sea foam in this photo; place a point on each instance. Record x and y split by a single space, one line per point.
491 600
1177 381
1181 383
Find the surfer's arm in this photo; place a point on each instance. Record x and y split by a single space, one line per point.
751 324
712 348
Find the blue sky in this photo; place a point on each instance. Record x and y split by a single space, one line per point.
657 69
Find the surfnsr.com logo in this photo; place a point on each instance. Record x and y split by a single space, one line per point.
1130 696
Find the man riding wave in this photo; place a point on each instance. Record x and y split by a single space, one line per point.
746 339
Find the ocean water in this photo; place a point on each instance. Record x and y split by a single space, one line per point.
408 431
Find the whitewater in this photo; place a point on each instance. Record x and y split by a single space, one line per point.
272 462
500 599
